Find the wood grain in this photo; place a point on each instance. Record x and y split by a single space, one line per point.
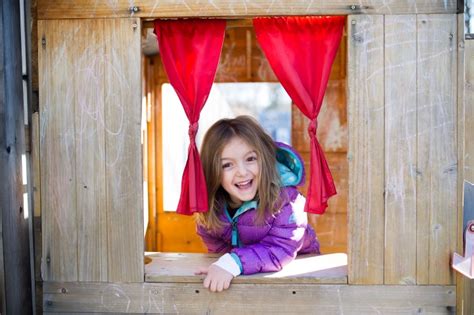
90 151
436 184
465 287
89 89
193 298
366 149
125 242
48 9
177 267
400 150
35 163
57 150
15 269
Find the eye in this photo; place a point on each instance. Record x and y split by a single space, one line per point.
251 158
226 165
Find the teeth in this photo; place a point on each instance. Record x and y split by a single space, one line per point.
243 183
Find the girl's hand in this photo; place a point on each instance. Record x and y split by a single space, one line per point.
217 279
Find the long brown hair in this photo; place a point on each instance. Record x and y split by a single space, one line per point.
268 189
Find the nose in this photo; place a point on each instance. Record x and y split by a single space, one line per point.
241 169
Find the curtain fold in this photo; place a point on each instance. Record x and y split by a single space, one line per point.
301 51
190 51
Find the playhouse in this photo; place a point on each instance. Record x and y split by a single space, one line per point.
395 127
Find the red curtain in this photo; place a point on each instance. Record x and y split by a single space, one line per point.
190 51
301 51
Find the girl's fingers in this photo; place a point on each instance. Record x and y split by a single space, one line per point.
226 284
201 271
220 286
207 282
213 286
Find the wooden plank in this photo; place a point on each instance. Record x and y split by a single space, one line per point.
123 147
58 9
3 305
436 178
192 298
177 267
150 70
469 111
157 117
149 155
15 271
89 62
466 157
400 150
366 149
461 282
34 45
57 154
35 162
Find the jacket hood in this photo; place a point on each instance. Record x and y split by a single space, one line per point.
290 165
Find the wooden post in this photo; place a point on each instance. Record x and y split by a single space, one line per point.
15 283
2 149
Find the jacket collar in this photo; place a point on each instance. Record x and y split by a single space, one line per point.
246 206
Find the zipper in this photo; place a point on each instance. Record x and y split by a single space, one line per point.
235 235
233 221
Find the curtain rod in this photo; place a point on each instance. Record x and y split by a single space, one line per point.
231 23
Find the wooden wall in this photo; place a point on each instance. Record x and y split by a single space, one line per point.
90 150
404 127
403 148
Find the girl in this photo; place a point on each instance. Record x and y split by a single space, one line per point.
256 216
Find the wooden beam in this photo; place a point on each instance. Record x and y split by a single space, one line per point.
236 23
65 9
3 156
15 279
193 298
305 269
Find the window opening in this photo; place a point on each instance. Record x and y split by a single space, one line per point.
242 66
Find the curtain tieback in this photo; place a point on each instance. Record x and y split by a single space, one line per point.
192 131
312 127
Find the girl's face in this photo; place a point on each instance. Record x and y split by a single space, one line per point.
240 170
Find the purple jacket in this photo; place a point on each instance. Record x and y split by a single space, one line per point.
272 245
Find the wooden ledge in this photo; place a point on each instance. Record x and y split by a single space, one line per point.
305 269
241 298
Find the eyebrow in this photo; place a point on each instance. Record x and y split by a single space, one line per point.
248 153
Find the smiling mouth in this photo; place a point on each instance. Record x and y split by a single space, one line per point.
244 185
